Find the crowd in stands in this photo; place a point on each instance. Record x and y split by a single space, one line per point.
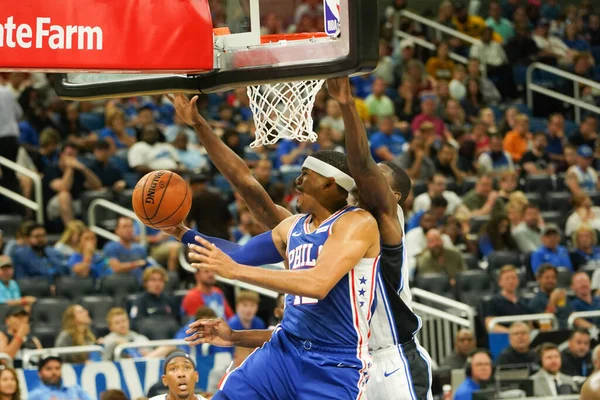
505 199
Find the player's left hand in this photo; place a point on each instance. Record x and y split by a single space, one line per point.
210 257
339 89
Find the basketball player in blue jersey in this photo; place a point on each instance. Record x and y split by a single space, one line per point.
394 322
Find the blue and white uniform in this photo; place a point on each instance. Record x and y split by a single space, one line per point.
401 367
320 349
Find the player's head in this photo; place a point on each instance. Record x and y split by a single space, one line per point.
325 181
180 375
395 176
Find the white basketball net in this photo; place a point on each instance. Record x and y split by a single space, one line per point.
283 110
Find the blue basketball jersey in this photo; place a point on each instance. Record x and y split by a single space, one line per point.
342 318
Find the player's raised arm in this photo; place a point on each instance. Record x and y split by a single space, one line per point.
217 332
233 168
354 232
375 192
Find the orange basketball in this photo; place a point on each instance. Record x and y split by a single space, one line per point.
161 199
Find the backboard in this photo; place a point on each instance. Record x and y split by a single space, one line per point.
251 42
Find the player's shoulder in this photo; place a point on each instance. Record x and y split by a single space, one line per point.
356 215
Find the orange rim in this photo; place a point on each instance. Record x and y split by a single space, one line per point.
274 38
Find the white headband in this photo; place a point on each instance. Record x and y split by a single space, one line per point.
329 171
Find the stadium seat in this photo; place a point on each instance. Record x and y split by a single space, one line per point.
570 128
523 109
558 201
498 259
131 178
102 214
468 184
178 296
173 283
289 176
436 283
419 187
596 54
130 300
520 75
554 217
471 285
98 307
46 334
538 125
471 261
3 311
534 198
538 184
157 328
222 184
74 287
119 286
595 196
48 311
564 277
10 225
36 287
476 222
452 186
125 198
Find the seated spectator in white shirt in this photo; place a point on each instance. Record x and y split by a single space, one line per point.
551 47
191 157
333 120
549 381
585 214
582 176
118 324
495 161
172 131
69 240
149 154
528 234
416 241
436 186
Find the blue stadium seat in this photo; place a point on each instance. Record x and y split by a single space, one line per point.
596 54
498 114
523 109
571 128
131 178
91 120
419 187
222 184
288 177
538 125
520 75
74 287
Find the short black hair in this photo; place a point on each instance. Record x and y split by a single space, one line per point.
544 347
583 331
335 159
545 267
101 144
33 227
439 201
401 182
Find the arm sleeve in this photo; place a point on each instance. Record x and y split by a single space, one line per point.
259 250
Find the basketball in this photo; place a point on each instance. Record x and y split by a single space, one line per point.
161 199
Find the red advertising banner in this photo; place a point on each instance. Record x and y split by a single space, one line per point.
106 35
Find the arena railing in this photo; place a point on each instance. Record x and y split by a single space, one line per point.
236 284
105 233
36 205
523 318
430 46
581 314
576 80
30 355
118 352
441 323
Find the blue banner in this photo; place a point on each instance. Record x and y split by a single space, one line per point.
134 377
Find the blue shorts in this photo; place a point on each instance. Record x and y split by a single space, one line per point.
288 368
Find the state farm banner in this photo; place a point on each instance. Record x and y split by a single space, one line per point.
100 35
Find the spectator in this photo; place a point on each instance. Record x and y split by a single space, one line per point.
469 24
416 240
179 126
379 104
118 324
87 261
76 331
436 186
582 176
528 234
480 363
584 301
551 251
51 384
73 131
150 154
519 351
333 120
63 184
495 161
569 159
407 105
209 212
457 87
557 139
10 294
12 246
416 71
202 313
588 133
427 114
593 30
516 141
440 66
415 161
507 185
206 293
439 206
550 10
116 134
537 161
499 24
454 117
549 381
483 200
488 90
507 302
577 358
464 344
126 256
522 49
552 48
263 172
574 40
548 298
496 236
386 143
37 258
246 306
190 157
69 240
586 253
585 214
17 336
488 117
311 8
110 176
438 259
9 384
291 153
154 301
446 163
10 113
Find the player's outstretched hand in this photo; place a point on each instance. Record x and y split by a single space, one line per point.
210 257
186 108
211 331
339 89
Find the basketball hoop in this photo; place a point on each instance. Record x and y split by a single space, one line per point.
283 110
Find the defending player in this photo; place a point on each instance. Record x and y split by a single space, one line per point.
320 350
180 376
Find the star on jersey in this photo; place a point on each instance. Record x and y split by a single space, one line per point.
363 280
362 303
362 292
